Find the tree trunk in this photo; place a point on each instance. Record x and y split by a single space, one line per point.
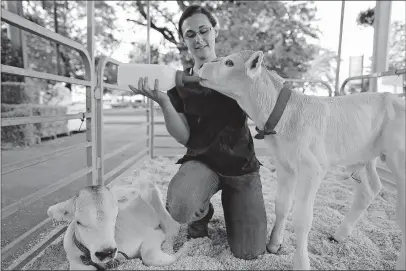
16 36
58 66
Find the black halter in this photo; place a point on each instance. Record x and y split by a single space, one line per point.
87 260
276 114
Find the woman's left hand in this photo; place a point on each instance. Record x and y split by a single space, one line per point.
153 94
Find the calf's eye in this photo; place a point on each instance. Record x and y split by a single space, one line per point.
229 63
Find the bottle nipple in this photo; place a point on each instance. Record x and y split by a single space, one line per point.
182 78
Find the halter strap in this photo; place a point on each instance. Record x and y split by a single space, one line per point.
87 260
276 114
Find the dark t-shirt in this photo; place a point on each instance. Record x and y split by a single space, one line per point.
219 133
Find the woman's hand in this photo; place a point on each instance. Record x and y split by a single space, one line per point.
154 94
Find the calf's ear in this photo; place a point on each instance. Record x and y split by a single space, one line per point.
63 211
253 64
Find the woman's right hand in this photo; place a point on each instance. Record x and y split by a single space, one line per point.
154 94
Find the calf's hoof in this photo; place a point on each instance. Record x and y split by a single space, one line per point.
274 249
172 229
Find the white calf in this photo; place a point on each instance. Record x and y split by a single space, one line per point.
312 134
109 224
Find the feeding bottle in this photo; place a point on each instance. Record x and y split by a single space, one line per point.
130 73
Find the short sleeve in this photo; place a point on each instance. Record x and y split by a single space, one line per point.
176 100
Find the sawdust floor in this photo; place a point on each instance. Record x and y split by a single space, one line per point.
373 245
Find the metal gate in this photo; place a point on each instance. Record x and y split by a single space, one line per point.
94 133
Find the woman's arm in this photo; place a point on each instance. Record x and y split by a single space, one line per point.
175 122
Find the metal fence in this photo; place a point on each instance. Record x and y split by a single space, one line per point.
397 72
95 157
90 116
101 85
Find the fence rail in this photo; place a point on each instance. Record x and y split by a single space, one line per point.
6 169
112 86
11 248
40 119
22 261
372 75
14 207
42 75
90 144
28 26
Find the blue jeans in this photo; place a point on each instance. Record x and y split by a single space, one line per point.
188 199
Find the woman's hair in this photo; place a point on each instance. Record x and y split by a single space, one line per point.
194 9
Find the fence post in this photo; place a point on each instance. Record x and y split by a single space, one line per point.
90 99
99 120
151 102
336 92
381 39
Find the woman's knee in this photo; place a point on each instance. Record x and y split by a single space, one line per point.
185 209
190 190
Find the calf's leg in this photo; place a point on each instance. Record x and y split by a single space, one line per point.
396 162
366 190
284 197
151 253
169 225
311 174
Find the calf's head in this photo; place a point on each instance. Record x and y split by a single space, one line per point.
242 77
93 212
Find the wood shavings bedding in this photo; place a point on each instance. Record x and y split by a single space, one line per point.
373 245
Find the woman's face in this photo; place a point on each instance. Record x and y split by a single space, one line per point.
199 36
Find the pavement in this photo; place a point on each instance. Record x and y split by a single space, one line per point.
120 128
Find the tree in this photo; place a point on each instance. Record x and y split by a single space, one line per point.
282 31
139 53
162 20
397 46
69 21
322 67
397 39
10 56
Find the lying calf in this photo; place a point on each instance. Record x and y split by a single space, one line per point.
108 224
307 135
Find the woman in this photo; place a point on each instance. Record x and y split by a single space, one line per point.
220 151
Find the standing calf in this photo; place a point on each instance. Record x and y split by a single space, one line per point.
312 134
